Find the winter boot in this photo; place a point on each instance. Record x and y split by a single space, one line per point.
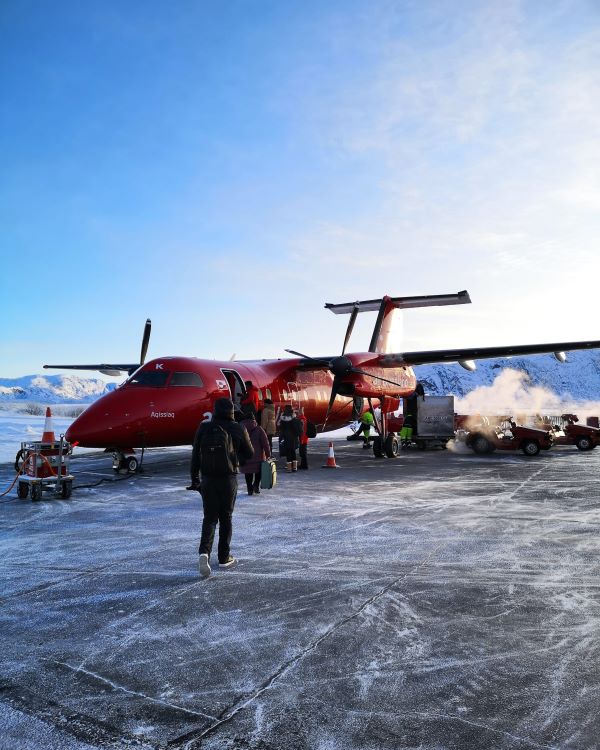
294 465
288 466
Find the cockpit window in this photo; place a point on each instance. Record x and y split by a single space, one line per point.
149 378
186 378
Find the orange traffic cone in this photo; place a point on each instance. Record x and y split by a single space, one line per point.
331 464
48 436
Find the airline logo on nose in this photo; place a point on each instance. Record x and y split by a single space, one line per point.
162 414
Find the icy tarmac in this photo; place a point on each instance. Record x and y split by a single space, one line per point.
439 600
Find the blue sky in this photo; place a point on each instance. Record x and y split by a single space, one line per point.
227 168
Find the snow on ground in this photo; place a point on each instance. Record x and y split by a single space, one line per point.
435 600
16 428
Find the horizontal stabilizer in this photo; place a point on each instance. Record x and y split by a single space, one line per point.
106 369
427 300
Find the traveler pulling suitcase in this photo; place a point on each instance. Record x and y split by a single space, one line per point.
268 474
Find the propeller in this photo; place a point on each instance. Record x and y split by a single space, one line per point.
340 366
144 349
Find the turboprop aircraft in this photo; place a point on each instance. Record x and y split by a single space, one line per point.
162 401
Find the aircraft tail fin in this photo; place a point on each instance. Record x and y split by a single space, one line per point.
388 317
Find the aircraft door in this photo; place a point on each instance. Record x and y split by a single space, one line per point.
236 385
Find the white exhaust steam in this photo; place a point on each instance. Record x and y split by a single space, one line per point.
512 394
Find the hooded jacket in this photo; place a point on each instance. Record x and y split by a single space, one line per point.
290 429
242 446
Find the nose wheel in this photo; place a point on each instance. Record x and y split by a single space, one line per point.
125 462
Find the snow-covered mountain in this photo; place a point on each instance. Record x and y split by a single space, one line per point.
53 389
577 379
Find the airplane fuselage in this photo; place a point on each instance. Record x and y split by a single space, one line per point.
163 403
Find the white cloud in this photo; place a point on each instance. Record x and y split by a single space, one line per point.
481 127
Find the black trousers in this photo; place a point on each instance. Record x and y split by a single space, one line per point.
252 481
218 501
303 456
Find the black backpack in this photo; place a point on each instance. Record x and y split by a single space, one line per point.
217 452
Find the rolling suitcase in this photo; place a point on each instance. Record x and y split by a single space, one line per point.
268 474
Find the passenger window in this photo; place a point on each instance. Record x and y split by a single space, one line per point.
186 378
149 378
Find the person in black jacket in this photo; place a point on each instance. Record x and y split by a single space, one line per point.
290 430
219 446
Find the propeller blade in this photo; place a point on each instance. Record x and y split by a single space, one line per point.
377 377
331 401
299 354
316 361
145 341
351 323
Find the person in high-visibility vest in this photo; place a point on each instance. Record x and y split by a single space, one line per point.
407 430
367 420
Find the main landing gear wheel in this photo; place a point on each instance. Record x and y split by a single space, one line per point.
377 448
131 464
530 447
391 446
23 490
584 443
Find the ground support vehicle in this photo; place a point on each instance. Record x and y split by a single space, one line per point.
433 422
586 438
44 467
509 436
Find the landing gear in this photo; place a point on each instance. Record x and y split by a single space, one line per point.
125 462
377 449
391 446
385 443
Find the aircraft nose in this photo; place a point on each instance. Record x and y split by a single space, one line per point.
82 431
91 426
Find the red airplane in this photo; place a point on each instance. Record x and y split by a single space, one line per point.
163 400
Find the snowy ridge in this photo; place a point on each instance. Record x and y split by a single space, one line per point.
578 379
53 389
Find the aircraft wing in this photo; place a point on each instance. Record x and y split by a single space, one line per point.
106 369
466 355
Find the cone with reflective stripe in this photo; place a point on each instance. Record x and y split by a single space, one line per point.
331 464
48 436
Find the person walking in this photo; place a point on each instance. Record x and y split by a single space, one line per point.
262 451
303 439
290 430
219 446
268 421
